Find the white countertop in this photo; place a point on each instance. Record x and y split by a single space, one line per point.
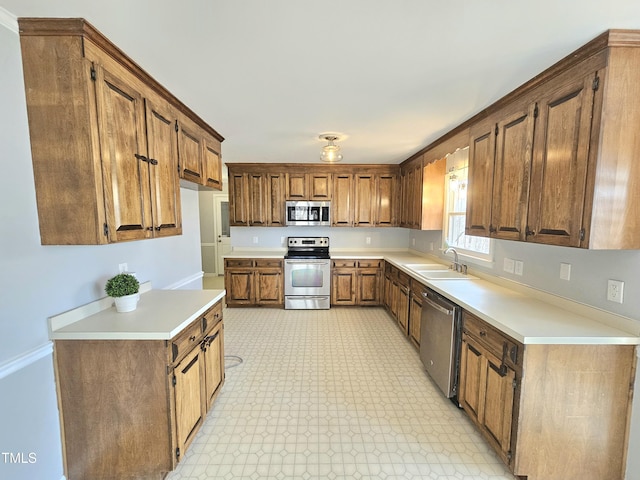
525 314
161 315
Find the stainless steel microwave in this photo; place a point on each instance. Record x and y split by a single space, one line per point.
307 213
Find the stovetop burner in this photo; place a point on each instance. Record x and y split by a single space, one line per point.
307 247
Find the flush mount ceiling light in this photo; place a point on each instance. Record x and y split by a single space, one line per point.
331 151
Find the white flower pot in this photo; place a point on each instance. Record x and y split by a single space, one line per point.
128 303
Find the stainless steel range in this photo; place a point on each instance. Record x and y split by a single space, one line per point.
307 273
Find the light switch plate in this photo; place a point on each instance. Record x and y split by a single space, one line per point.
565 271
509 265
519 270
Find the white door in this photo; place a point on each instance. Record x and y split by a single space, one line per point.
221 219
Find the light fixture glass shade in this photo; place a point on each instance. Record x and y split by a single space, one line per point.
331 152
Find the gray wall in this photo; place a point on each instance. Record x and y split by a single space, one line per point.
39 281
341 237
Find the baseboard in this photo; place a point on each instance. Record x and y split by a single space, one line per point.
25 359
7 19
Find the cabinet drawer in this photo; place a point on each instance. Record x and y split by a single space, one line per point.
212 317
343 263
238 262
403 279
369 263
417 288
269 262
496 342
186 340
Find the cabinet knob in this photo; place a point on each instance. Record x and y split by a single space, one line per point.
483 333
192 338
529 232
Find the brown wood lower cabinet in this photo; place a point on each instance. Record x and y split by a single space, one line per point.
396 295
254 282
130 408
356 282
551 412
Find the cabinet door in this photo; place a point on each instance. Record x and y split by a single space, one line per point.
188 397
239 286
257 196
163 158
212 164
368 286
297 186
416 200
498 404
238 199
433 194
402 306
342 203
480 179
415 318
269 284
125 166
214 364
386 201
511 176
190 151
470 393
343 287
320 186
275 199
560 157
365 190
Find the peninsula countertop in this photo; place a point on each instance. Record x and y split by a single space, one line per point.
525 314
161 315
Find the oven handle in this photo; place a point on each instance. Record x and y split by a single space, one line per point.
305 262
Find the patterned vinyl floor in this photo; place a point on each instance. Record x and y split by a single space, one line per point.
331 394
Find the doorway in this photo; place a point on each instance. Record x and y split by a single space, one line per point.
222 229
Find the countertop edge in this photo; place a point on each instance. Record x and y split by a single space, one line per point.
66 331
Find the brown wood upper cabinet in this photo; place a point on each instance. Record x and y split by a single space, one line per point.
556 161
199 155
309 186
360 195
104 143
422 192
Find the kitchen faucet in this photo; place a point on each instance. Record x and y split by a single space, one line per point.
457 266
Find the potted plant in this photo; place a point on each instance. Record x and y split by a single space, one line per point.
124 289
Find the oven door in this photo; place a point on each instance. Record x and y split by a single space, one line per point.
307 277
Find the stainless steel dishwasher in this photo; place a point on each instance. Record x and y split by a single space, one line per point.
440 336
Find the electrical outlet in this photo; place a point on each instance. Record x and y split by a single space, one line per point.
255 239
282 241
367 240
431 246
122 267
519 270
509 265
615 291
413 242
565 271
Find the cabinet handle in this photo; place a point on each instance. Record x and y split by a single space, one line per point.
141 157
153 161
529 232
483 333
192 338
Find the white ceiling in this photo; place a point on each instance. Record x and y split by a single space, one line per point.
394 75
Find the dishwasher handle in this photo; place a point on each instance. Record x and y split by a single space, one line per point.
437 306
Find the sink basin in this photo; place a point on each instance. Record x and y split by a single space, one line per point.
445 275
419 267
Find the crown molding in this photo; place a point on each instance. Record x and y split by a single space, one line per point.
8 20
